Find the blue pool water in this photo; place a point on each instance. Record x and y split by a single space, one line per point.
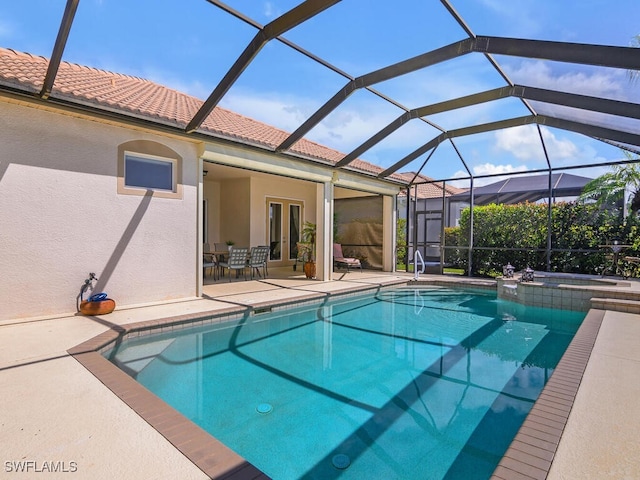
403 384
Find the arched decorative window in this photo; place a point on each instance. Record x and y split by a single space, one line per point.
144 165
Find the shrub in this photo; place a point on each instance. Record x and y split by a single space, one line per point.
518 234
401 242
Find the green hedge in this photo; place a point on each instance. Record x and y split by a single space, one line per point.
575 226
401 243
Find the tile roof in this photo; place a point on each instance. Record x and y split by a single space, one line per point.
145 99
429 190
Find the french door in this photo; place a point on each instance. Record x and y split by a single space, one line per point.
284 217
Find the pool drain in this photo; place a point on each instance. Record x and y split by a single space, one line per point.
341 461
264 408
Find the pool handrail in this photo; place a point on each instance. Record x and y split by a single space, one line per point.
417 273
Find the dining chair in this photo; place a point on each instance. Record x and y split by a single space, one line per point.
209 260
258 259
237 260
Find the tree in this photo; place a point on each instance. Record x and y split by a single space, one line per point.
609 189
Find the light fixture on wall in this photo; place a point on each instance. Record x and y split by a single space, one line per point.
204 173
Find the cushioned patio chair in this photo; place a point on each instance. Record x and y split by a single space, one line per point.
237 261
340 260
258 259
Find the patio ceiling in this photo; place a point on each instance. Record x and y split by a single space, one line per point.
570 107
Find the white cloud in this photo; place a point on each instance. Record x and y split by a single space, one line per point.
281 112
521 142
491 169
343 130
442 81
524 144
519 17
270 10
485 169
600 83
559 149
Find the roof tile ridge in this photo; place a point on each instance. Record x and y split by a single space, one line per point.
18 53
251 119
280 130
309 144
106 72
124 76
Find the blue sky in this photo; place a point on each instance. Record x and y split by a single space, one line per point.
190 44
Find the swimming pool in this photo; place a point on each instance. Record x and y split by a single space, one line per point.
406 383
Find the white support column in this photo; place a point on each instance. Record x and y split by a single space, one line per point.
389 221
200 216
324 230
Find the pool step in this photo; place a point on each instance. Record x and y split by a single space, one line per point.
616 304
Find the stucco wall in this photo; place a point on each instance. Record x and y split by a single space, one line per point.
211 193
61 217
235 214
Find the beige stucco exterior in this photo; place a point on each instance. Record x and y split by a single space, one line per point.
64 212
61 217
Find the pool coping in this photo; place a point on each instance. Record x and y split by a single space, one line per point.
533 449
529 455
210 455
203 450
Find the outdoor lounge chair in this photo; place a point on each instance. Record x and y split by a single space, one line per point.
340 260
237 261
258 259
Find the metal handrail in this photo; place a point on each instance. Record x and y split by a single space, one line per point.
417 273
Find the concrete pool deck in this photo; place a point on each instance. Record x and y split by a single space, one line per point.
58 419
